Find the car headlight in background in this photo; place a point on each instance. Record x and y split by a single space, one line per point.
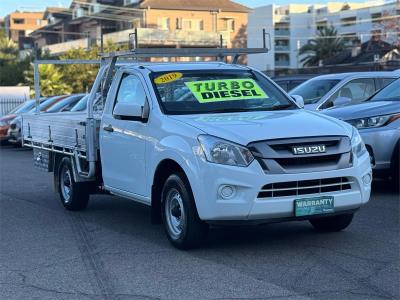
372 122
223 152
357 144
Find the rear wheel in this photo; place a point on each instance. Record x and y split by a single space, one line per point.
181 222
73 195
332 224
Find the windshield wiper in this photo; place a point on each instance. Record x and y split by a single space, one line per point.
282 106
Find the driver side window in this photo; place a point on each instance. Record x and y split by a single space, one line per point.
356 91
130 91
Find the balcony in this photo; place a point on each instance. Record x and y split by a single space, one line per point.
282 32
157 37
282 48
148 37
60 48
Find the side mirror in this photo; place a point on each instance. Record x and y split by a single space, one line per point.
299 100
341 101
131 111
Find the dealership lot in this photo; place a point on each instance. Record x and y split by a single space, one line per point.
111 251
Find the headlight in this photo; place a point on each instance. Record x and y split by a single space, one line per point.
357 144
223 152
372 122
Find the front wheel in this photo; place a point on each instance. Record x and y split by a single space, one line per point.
181 222
332 224
73 195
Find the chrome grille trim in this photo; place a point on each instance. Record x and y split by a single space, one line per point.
305 187
276 156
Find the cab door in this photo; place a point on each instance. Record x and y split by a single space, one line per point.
123 141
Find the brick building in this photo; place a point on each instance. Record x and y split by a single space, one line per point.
18 26
174 23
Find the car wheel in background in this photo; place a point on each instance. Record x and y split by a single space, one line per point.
395 167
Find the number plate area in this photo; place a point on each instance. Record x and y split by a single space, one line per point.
314 206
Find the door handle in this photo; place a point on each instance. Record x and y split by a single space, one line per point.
108 128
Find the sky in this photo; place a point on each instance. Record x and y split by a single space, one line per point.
7 6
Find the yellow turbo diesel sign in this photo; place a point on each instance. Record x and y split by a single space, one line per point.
225 90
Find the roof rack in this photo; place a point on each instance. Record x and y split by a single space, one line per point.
136 52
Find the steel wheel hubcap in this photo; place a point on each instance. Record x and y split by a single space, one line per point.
174 212
66 184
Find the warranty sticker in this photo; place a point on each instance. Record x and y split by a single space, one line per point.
225 90
166 78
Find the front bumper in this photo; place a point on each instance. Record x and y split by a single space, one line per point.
248 182
14 135
381 143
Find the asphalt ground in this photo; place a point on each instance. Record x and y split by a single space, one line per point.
111 251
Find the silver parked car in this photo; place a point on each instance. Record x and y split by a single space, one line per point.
327 91
378 121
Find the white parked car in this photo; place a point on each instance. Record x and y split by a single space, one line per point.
205 143
335 90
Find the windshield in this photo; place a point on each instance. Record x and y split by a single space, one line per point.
210 91
81 105
24 107
313 90
47 103
65 104
389 93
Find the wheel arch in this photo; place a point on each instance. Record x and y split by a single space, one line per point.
164 169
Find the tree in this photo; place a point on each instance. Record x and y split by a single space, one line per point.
11 68
51 81
81 77
8 49
327 44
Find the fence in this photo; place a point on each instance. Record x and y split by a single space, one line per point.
8 104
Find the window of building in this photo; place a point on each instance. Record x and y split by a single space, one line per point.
282 59
348 21
19 21
376 17
349 38
228 25
192 24
163 23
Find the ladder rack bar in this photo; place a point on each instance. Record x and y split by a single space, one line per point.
185 52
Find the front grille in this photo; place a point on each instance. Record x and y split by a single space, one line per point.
305 187
277 157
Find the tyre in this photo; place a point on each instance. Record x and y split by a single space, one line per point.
332 224
182 224
395 168
73 195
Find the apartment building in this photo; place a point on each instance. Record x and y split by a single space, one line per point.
159 23
18 25
292 26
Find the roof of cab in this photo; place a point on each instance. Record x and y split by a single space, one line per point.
185 66
341 76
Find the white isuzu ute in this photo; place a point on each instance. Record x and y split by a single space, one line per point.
203 144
